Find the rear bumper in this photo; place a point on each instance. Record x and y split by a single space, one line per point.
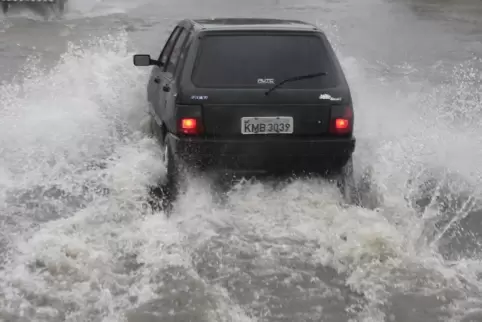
267 155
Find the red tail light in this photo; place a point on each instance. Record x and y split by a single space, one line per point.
342 124
190 126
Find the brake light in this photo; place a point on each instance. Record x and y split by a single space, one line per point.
342 124
190 126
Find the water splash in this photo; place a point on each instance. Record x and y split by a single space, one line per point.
82 243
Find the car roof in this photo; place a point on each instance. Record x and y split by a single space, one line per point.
252 24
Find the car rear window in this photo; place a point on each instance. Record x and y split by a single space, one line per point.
254 61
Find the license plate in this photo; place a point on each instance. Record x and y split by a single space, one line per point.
267 125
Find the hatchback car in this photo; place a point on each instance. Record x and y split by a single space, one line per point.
250 96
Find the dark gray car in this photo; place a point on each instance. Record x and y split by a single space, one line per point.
250 96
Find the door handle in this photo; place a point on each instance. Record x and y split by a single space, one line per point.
157 80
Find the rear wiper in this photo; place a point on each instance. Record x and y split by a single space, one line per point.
292 79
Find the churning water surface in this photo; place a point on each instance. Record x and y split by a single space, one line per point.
79 241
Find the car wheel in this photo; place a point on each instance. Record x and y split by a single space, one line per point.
154 130
170 186
347 184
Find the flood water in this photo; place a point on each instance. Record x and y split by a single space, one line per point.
79 241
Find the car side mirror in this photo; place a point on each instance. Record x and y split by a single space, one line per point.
144 60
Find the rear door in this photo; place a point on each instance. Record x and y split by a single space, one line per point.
170 77
236 70
158 78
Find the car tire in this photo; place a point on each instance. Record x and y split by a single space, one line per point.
171 184
347 184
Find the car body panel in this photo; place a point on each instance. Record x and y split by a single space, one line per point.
172 95
272 154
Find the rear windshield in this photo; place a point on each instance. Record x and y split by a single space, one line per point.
260 60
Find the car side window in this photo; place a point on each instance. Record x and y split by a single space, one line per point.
184 51
168 47
176 51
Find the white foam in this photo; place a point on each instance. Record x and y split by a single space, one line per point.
96 8
77 127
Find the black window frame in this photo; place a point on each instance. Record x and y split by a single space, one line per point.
172 37
182 60
169 66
